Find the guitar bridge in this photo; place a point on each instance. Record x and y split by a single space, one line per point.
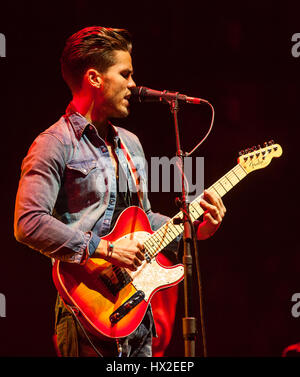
128 305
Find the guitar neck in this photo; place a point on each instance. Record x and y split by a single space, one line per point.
170 230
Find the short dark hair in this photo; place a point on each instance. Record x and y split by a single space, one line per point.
91 47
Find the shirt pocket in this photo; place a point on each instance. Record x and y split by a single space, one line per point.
85 184
82 168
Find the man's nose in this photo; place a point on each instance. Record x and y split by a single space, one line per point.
131 83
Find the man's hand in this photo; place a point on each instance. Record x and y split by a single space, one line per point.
125 253
214 212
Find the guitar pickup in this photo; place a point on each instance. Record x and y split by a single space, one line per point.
115 278
128 305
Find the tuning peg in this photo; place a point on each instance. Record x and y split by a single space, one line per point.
271 142
265 144
241 152
258 147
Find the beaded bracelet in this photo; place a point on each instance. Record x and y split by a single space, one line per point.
110 249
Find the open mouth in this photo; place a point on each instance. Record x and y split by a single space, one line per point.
127 99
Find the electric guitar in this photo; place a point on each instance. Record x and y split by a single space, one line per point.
112 301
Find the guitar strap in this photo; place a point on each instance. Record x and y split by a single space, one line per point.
137 181
133 171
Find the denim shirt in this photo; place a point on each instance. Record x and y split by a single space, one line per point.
67 190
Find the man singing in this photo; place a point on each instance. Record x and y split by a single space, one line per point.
70 194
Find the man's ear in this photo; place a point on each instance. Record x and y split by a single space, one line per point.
93 78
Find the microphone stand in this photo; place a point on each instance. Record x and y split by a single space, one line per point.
189 321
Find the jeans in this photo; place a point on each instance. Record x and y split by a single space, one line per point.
71 339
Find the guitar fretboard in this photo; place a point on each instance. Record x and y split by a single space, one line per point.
170 230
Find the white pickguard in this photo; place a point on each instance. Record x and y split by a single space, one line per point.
151 275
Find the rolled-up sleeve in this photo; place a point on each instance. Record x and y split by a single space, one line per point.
34 223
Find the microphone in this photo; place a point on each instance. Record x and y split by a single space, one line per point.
143 94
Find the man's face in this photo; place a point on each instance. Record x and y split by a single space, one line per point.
115 88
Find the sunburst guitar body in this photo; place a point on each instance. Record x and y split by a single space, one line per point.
112 300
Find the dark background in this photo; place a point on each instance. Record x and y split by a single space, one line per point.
238 56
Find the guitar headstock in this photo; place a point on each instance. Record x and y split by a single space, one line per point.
257 158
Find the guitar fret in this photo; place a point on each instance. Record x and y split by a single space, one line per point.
165 233
170 231
148 245
223 184
233 178
225 180
159 241
160 233
171 227
165 236
219 189
152 249
213 188
192 213
180 226
193 208
239 171
149 248
178 229
149 252
235 174
155 239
